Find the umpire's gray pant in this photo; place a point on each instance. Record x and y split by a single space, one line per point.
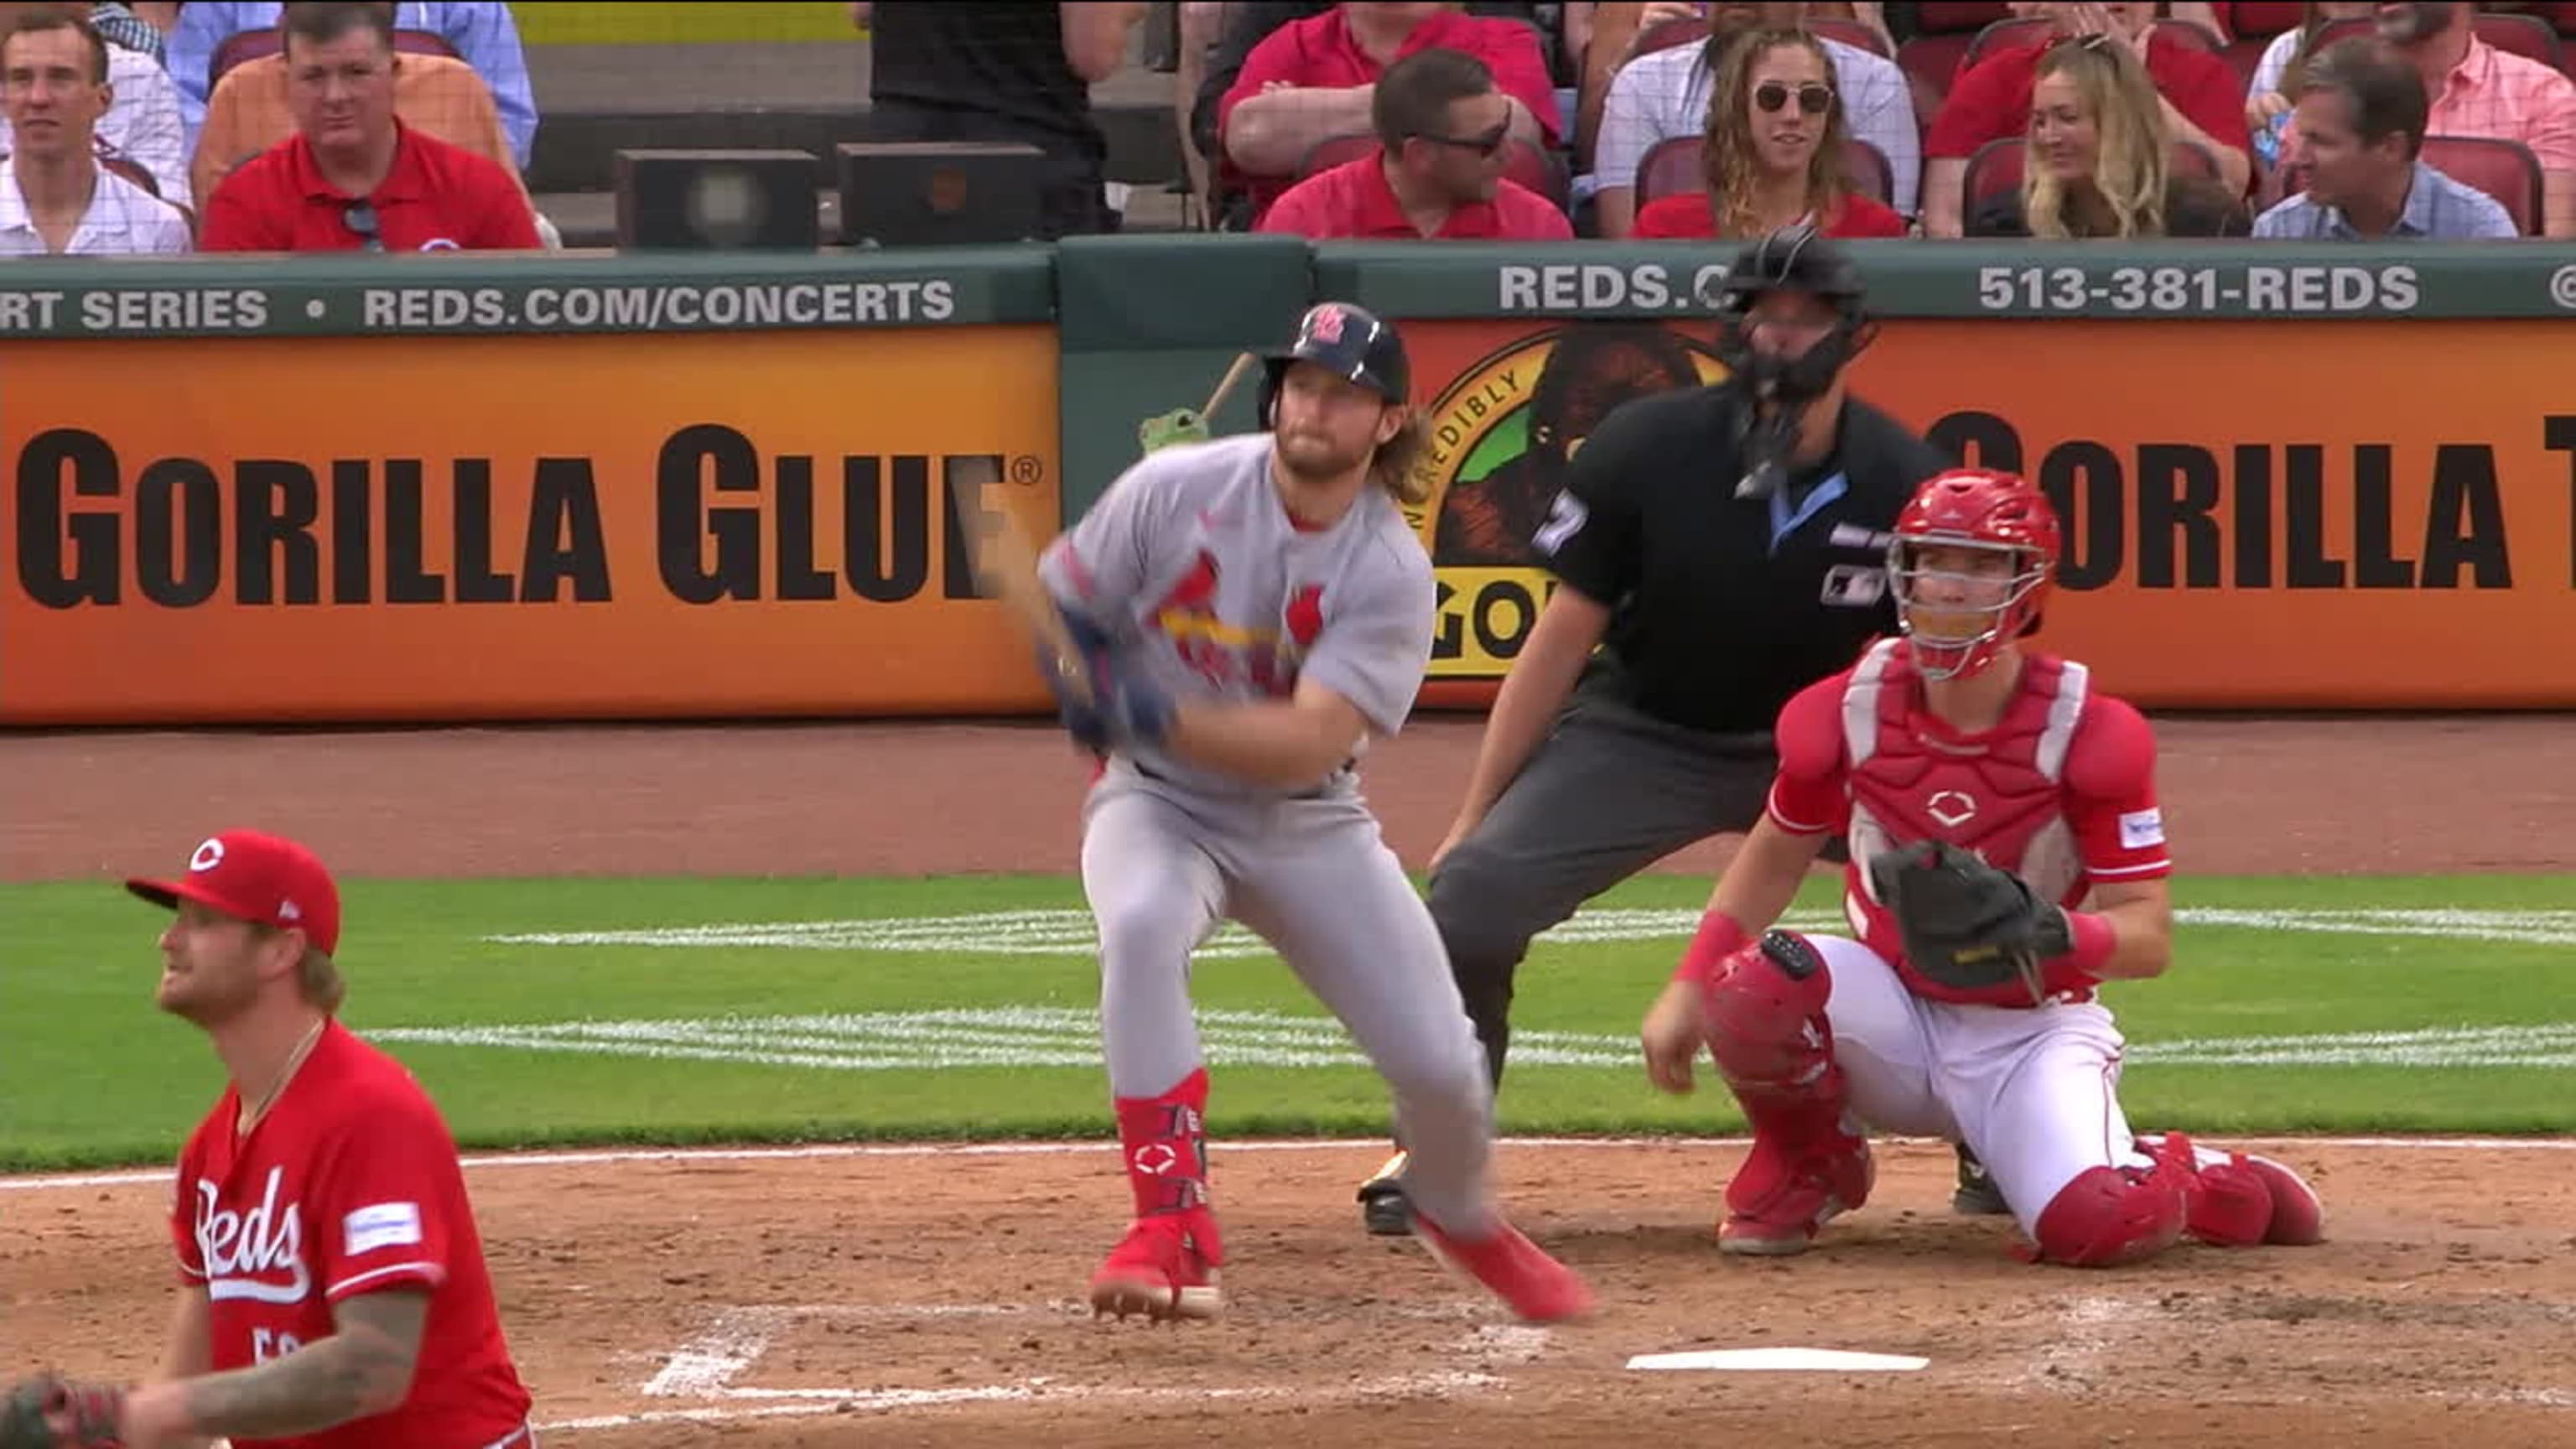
1608 793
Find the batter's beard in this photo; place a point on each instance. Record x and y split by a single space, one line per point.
1312 462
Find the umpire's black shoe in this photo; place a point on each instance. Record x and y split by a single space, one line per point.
1977 1195
1383 1210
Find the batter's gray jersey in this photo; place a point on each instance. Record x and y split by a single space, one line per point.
1192 558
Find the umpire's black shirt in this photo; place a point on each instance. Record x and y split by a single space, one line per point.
1722 608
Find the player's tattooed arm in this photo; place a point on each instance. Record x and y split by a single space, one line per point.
361 1370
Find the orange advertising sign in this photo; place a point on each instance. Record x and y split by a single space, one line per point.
518 527
2257 514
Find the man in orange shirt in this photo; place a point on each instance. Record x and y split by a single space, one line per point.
1442 132
353 177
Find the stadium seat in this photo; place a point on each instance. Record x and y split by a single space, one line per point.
249 45
1931 63
1943 17
2505 170
2263 19
1996 169
1672 166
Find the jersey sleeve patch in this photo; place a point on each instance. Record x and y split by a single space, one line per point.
380 1226
2140 829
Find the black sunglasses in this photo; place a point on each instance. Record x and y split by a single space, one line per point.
360 217
1813 99
1484 145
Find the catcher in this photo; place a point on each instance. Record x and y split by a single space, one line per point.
1986 791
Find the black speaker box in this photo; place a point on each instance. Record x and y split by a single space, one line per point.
717 201
938 193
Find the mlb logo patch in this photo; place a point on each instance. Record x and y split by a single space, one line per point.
2142 828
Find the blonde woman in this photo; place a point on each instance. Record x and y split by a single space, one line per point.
1772 155
2099 158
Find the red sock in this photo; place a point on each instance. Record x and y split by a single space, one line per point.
1165 1139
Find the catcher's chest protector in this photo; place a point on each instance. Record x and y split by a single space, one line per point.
1910 781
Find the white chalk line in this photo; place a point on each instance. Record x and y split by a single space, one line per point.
1069 932
837 1150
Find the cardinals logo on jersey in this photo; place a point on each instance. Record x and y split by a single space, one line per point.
1225 654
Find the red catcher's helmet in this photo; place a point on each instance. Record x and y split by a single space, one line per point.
1980 509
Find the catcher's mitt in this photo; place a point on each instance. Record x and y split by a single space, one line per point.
52 1412
1965 923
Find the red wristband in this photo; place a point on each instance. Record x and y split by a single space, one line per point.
1719 936
2080 969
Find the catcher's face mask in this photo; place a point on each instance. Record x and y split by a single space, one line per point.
1961 600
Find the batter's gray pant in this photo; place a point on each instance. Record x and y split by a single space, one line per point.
1608 793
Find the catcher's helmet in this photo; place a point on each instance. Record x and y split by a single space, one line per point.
1791 259
1349 342
1981 509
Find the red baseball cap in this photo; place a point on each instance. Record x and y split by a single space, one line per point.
264 878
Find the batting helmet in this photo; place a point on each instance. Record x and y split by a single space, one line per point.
1974 508
1791 259
1347 341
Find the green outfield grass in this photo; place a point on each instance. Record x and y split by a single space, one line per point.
802 1019
555 22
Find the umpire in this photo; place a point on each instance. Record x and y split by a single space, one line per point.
1723 546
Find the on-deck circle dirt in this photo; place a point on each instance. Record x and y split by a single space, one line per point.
933 1292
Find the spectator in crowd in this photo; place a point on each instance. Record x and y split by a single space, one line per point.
482 33
142 120
2361 116
56 199
353 177
1659 96
117 24
2099 159
2198 96
2473 89
1442 132
1231 31
2274 87
1008 72
1316 78
1773 152
253 109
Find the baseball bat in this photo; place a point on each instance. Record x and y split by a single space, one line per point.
1243 362
1006 567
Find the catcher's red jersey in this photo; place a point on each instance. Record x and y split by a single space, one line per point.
2061 793
350 1185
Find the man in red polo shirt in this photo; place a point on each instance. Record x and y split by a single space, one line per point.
352 177
1316 78
2203 100
1438 172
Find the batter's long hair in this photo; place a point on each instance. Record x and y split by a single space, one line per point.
1728 160
1398 465
2131 159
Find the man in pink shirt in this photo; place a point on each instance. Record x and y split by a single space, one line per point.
1438 172
2478 90
1315 78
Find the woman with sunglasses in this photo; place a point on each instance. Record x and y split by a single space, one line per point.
1772 155
2098 158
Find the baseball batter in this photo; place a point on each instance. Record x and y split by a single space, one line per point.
1987 792
1252 611
331 1286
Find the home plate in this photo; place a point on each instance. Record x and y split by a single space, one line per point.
1792 1360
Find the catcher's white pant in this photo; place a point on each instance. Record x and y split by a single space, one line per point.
2032 1091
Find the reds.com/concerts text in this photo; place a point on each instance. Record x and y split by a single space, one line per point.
651 308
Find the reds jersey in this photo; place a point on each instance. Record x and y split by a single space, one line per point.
2061 792
1193 557
350 1185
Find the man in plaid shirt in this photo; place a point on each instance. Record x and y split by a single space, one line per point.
2361 119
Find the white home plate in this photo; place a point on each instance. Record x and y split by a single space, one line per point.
1827 1360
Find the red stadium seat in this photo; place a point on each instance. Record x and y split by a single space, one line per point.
2505 170
1931 63
1944 17
1672 166
2263 19
249 45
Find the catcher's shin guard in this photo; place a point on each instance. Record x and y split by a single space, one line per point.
1767 1030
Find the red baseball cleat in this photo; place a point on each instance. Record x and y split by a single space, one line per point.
1536 1287
1165 1268
1775 1206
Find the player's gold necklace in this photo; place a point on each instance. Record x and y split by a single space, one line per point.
251 1116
